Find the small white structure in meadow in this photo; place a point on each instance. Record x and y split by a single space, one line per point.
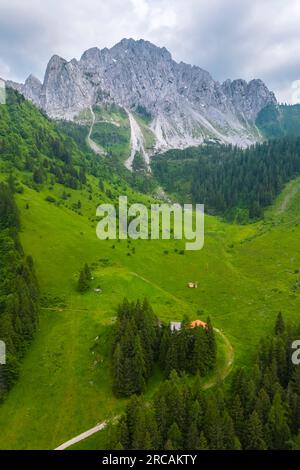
175 325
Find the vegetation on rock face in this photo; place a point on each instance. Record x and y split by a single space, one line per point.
260 410
139 163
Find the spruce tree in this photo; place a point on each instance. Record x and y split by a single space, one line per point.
228 431
192 438
138 369
175 436
87 272
202 443
255 434
279 325
82 284
278 425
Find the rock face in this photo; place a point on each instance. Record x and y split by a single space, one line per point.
185 103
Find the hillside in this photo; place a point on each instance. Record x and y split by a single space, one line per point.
238 184
243 272
275 121
246 275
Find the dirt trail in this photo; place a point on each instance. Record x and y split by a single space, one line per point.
82 436
222 374
288 197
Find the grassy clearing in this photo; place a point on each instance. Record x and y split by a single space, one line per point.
246 275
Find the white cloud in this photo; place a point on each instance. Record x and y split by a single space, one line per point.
4 69
230 38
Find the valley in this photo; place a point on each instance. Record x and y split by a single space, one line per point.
244 272
143 344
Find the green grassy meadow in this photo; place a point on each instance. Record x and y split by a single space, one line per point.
245 275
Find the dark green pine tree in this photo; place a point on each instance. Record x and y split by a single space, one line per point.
175 436
82 175
202 442
161 416
195 414
138 368
127 347
281 361
295 387
199 357
213 424
172 391
142 436
279 431
228 431
131 413
182 343
263 405
279 325
87 272
255 433
38 176
244 386
82 284
164 345
148 330
192 438
172 356
118 371
238 417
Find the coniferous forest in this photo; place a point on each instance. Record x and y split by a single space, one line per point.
141 341
261 409
19 293
232 182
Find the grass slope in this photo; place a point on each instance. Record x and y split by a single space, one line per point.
246 274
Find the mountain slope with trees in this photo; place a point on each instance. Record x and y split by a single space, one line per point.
238 184
276 121
260 411
19 293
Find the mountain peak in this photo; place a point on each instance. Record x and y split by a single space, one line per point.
187 106
32 79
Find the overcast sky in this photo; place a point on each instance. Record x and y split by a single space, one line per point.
229 38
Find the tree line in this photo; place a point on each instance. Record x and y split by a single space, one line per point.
260 410
19 294
141 341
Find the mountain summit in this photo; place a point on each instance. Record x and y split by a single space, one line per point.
185 104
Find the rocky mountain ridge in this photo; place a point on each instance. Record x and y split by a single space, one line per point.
184 104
